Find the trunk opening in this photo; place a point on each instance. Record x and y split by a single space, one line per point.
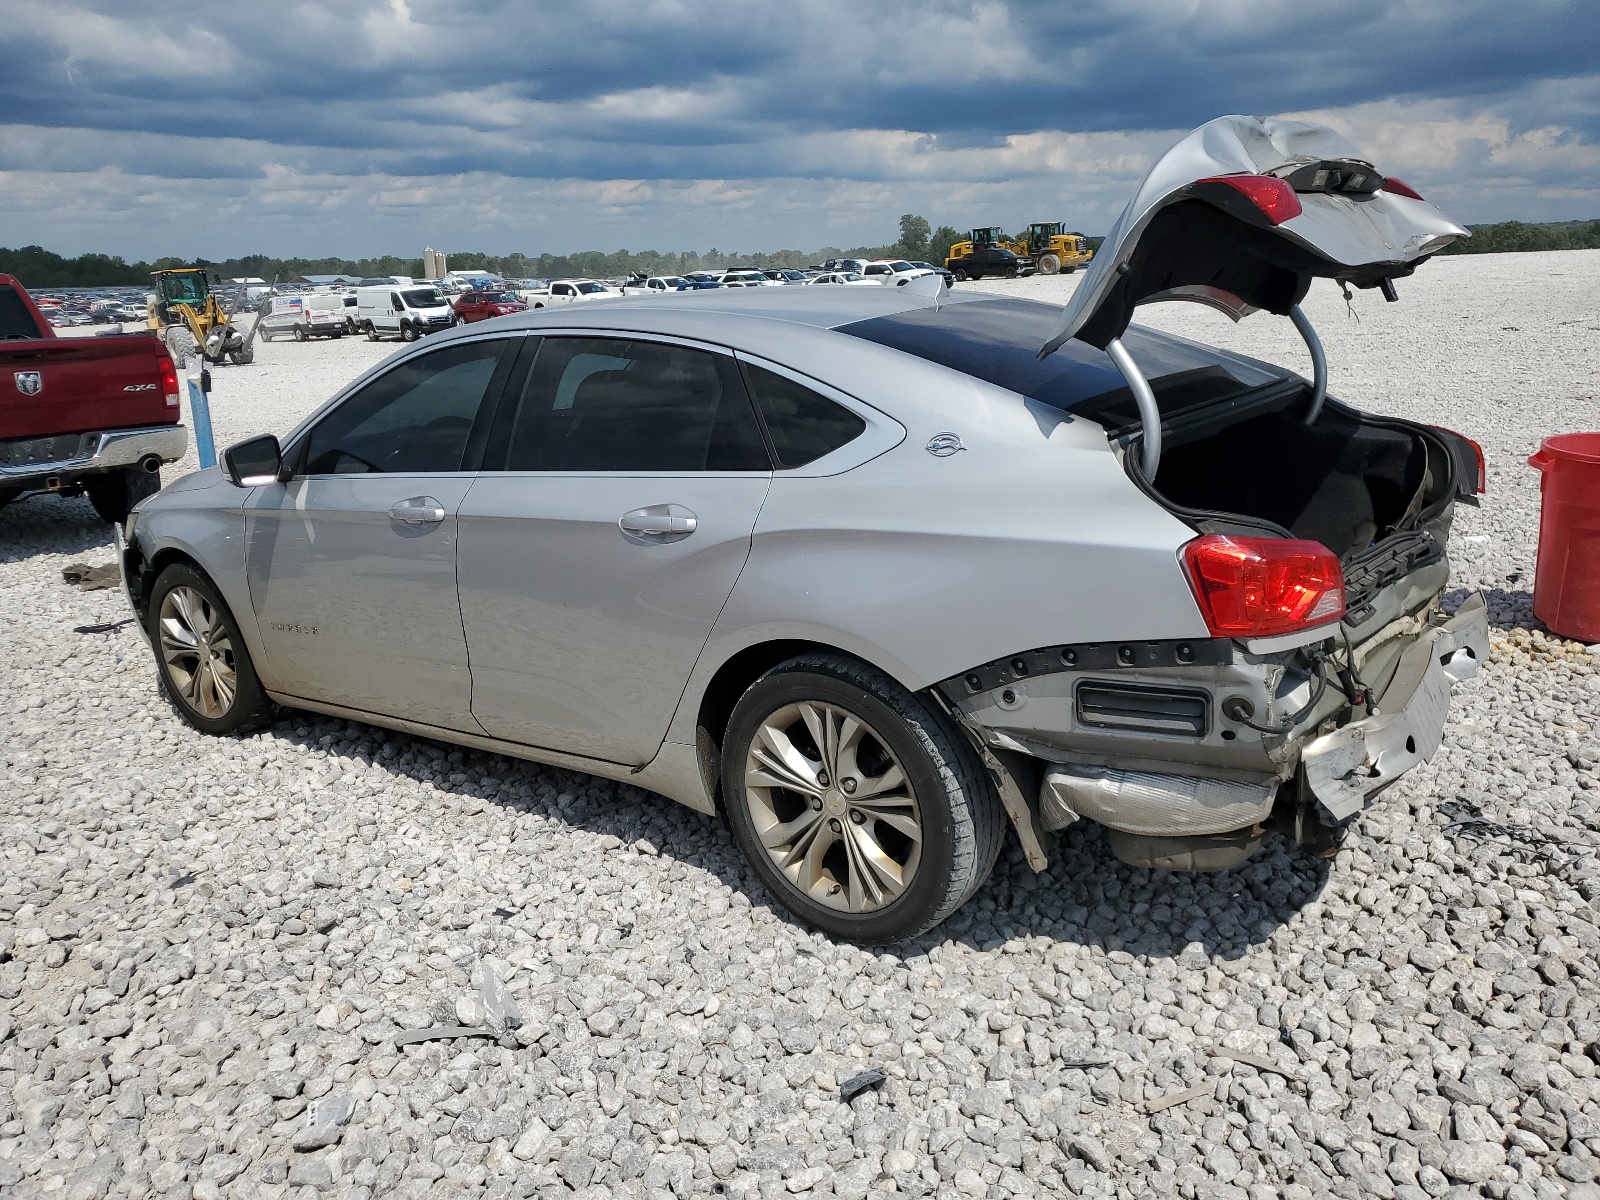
1349 482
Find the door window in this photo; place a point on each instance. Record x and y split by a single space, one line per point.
411 420
803 426
604 404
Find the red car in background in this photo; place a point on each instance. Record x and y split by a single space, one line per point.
481 305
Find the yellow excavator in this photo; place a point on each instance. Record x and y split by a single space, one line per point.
1053 250
189 319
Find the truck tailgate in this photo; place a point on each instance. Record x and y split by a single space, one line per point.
74 385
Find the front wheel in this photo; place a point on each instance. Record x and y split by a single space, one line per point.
201 660
408 332
113 495
860 807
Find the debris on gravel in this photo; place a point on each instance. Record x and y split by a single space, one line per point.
209 948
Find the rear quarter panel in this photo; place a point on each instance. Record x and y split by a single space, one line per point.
1031 535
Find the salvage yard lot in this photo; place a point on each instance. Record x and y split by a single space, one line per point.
201 938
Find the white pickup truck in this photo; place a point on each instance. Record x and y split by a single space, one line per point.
567 291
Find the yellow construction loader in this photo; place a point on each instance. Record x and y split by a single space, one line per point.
190 320
1052 250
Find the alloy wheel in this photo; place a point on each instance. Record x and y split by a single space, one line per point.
197 652
833 806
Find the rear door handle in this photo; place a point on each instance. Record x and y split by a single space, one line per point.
659 523
417 510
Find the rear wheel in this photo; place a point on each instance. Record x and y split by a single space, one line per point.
300 334
1049 264
862 810
266 335
114 495
372 334
201 660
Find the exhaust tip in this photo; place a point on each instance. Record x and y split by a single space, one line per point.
151 463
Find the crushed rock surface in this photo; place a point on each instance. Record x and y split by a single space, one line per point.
208 948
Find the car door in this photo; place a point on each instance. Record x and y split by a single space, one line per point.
594 562
352 563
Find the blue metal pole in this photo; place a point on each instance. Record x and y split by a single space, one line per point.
205 443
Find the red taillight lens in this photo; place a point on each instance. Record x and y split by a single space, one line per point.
1273 196
1260 587
1481 483
169 379
1400 187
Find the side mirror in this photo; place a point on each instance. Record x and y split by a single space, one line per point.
254 462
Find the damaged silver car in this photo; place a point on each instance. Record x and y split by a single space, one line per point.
877 573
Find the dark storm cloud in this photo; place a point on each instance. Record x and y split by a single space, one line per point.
836 108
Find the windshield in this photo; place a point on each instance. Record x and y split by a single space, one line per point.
422 298
901 268
499 298
589 289
997 340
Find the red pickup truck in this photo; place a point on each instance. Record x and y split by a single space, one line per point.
95 415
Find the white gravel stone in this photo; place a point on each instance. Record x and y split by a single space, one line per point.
199 938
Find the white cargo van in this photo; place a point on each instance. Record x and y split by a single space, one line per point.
403 312
309 315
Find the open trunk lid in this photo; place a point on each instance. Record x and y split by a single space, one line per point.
1242 214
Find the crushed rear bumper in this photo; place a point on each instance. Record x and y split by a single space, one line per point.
1345 768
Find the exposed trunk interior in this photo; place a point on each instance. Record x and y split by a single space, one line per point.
1347 482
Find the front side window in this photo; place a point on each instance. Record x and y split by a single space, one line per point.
803 425
611 404
411 420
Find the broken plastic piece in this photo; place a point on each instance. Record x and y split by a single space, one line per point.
856 1084
1083 1064
1173 1099
331 1110
435 1032
108 627
499 1009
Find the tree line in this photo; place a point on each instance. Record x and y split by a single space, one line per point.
40 268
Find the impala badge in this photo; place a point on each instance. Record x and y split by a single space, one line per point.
29 383
943 445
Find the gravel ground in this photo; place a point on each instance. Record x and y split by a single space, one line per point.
208 948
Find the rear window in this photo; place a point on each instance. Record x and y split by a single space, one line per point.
997 340
15 319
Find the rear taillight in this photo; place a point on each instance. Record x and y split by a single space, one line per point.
1273 196
169 378
1481 479
1399 187
1262 587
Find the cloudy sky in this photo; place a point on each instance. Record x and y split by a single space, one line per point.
378 126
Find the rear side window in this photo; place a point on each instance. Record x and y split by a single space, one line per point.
15 319
803 425
411 420
613 404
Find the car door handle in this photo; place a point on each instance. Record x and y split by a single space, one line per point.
417 510
659 523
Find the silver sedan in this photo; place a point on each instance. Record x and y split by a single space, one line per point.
885 575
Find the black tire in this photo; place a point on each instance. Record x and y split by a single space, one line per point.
180 345
243 356
300 334
372 334
961 819
249 706
1011 272
266 335
114 494
408 331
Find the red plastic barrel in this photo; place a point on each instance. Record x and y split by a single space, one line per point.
1566 586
